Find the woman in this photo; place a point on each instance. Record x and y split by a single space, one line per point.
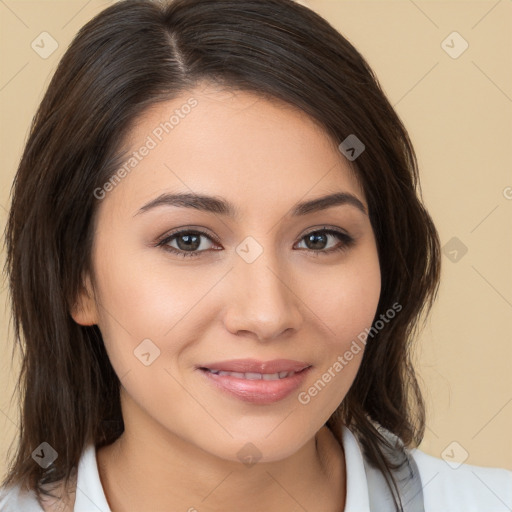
218 260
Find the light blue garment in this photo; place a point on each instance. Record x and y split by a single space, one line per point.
407 478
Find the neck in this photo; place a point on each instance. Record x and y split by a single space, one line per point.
168 473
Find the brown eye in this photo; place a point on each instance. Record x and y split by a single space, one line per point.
188 242
316 241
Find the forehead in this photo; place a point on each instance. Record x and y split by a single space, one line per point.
234 144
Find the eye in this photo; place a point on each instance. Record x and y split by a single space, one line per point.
318 239
188 242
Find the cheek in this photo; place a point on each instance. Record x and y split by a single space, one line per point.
140 301
147 299
346 300
346 305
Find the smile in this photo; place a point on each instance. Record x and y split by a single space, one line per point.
253 375
255 387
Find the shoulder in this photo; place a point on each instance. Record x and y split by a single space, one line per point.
463 487
14 499
17 499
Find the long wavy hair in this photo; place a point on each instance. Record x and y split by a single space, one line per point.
133 55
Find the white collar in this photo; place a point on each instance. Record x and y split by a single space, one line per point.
357 499
90 494
89 491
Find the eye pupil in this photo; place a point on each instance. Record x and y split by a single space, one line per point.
191 242
315 237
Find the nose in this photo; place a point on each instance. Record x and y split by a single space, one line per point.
262 302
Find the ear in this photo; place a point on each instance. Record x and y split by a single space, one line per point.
85 311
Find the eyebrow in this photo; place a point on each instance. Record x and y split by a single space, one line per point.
220 206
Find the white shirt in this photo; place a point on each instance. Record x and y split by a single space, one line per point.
445 489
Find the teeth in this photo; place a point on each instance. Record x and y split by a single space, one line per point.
234 374
254 376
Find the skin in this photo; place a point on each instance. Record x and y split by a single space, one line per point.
182 435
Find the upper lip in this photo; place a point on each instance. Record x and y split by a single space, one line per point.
254 366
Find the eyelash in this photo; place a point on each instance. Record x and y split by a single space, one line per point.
347 242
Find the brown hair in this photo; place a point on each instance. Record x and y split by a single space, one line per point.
135 54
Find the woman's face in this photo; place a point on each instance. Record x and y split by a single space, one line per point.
245 279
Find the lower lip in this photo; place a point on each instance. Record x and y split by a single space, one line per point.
257 391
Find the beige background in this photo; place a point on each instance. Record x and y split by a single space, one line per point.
458 112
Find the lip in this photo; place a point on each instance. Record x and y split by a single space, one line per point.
261 392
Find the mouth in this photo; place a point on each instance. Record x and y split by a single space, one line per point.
274 380
253 366
252 375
